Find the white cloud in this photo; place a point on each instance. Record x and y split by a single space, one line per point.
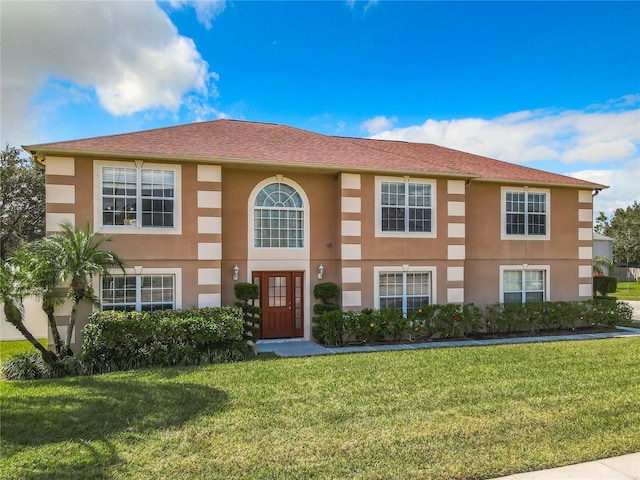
607 134
206 10
129 53
366 4
624 186
378 124
567 136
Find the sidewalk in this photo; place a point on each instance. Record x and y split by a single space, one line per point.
626 467
298 347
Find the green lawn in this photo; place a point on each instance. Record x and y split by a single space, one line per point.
454 413
628 291
11 347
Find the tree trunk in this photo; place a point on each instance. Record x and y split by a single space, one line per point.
14 317
72 322
49 309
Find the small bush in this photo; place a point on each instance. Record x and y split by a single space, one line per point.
31 366
604 285
331 327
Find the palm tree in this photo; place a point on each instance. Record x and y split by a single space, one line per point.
42 265
601 263
14 286
80 260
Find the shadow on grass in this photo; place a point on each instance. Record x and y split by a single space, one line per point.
76 420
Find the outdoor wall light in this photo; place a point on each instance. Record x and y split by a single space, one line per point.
236 272
320 271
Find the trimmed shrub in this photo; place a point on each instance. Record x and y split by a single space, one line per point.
247 294
324 292
605 285
124 340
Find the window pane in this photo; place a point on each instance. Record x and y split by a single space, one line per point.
119 196
392 194
512 280
278 217
534 280
157 190
534 297
393 219
512 298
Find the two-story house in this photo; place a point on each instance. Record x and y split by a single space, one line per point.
195 208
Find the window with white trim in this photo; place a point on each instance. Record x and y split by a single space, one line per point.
522 286
526 213
406 291
137 292
138 197
278 215
405 206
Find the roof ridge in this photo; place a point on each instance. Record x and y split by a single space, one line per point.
413 157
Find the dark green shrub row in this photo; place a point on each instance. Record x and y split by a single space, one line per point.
124 340
337 328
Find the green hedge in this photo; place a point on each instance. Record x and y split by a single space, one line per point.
123 340
337 328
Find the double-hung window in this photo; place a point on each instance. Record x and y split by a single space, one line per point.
138 197
525 213
406 291
522 286
137 292
405 207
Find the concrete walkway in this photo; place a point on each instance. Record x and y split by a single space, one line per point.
626 467
298 347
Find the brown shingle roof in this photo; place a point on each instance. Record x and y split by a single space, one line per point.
256 143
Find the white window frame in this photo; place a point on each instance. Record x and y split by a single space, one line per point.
523 268
503 217
280 253
287 231
404 269
141 272
137 229
406 234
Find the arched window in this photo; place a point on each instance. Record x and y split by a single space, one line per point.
278 217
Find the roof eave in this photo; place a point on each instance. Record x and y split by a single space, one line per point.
589 185
40 156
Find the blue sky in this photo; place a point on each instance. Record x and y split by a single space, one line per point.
551 85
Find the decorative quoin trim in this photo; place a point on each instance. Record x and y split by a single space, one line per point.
209 228
351 231
456 234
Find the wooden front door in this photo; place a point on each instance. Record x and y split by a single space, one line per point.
281 295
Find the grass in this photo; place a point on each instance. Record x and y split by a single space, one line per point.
455 413
628 291
12 347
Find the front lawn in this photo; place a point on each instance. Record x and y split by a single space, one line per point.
628 291
9 348
472 412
